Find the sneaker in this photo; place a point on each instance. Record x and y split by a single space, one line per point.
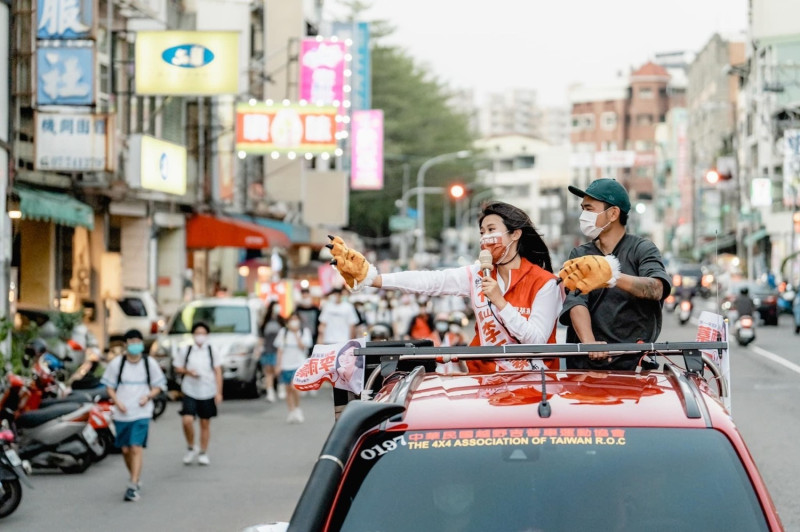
282 391
292 417
132 494
203 459
189 457
270 395
298 416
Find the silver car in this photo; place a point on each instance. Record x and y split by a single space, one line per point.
234 336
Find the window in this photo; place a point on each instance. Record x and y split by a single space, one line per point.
588 122
576 123
221 319
608 120
643 145
644 120
645 92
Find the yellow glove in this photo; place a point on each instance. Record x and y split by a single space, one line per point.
590 272
354 268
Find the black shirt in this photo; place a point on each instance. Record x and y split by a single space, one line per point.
618 316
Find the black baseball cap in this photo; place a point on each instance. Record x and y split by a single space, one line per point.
606 190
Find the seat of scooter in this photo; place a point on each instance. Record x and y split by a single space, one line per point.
75 397
43 415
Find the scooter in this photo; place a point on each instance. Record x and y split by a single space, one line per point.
685 311
744 330
12 473
58 436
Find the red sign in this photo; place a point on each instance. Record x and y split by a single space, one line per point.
262 128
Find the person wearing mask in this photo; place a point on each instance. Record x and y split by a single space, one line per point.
292 344
516 301
443 336
617 282
403 312
421 327
133 380
202 391
338 319
269 330
309 313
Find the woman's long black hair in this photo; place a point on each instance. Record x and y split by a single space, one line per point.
530 245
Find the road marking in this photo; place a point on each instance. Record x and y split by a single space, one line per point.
769 355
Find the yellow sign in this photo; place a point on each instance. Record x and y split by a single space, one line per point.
163 166
187 62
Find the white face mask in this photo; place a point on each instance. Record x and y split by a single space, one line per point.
442 326
294 324
200 339
588 223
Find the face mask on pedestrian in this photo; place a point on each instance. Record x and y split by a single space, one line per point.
454 328
588 223
294 325
136 349
200 338
441 326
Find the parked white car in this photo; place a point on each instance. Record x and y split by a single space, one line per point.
234 336
135 309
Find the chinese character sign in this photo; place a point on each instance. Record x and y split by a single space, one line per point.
791 166
73 142
65 75
367 150
65 19
322 71
265 128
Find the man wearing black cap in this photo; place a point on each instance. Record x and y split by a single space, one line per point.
627 306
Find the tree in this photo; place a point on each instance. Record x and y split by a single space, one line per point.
418 124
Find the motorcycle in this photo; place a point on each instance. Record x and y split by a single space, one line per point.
58 436
12 473
744 330
685 311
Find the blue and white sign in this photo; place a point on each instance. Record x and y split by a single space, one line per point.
65 19
361 80
72 142
65 75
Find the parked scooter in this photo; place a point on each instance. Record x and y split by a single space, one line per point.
12 473
685 311
58 436
744 329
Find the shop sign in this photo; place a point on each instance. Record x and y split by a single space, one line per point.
65 74
157 165
73 142
366 172
65 19
262 128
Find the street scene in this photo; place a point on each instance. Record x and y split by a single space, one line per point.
261 261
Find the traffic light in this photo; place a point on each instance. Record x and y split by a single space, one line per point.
714 176
457 191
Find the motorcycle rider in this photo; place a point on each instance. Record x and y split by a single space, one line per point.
743 304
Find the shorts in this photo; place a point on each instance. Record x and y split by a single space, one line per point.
202 408
131 433
287 375
267 359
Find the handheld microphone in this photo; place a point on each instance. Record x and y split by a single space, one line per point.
485 260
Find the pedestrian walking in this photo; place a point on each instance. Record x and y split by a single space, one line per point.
292 344
269 330
338 320
133 380
201 386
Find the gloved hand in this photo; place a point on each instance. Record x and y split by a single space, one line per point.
590 272
354 268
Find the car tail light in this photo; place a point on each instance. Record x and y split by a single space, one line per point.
153 327
677 280
686 305
747 321
708 280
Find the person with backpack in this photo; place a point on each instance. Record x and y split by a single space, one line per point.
133 380
202 391
292 342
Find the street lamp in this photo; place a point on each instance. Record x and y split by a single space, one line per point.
463 154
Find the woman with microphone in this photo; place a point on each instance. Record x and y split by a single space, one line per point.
513 291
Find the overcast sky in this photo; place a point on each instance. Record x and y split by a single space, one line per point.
490 45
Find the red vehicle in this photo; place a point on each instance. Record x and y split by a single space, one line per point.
536 450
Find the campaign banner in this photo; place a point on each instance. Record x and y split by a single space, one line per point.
712 327
322 71
334 363
65 74
366 130
73 142
262 128
65 19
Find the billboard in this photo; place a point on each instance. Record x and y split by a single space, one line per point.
156 164
791 167
262 128
73 142
65 74
361 65
366 172
65 19
322 71
188 63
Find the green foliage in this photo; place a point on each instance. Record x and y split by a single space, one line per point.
66 322
418 125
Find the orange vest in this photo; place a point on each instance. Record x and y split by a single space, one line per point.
526 281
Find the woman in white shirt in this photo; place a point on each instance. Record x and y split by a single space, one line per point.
292 344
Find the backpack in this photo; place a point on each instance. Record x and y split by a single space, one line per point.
210 356
146 369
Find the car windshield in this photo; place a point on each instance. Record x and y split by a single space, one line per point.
547 479
132 306
221 319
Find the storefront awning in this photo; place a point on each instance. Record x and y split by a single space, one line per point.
204 231
55 207
298 234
